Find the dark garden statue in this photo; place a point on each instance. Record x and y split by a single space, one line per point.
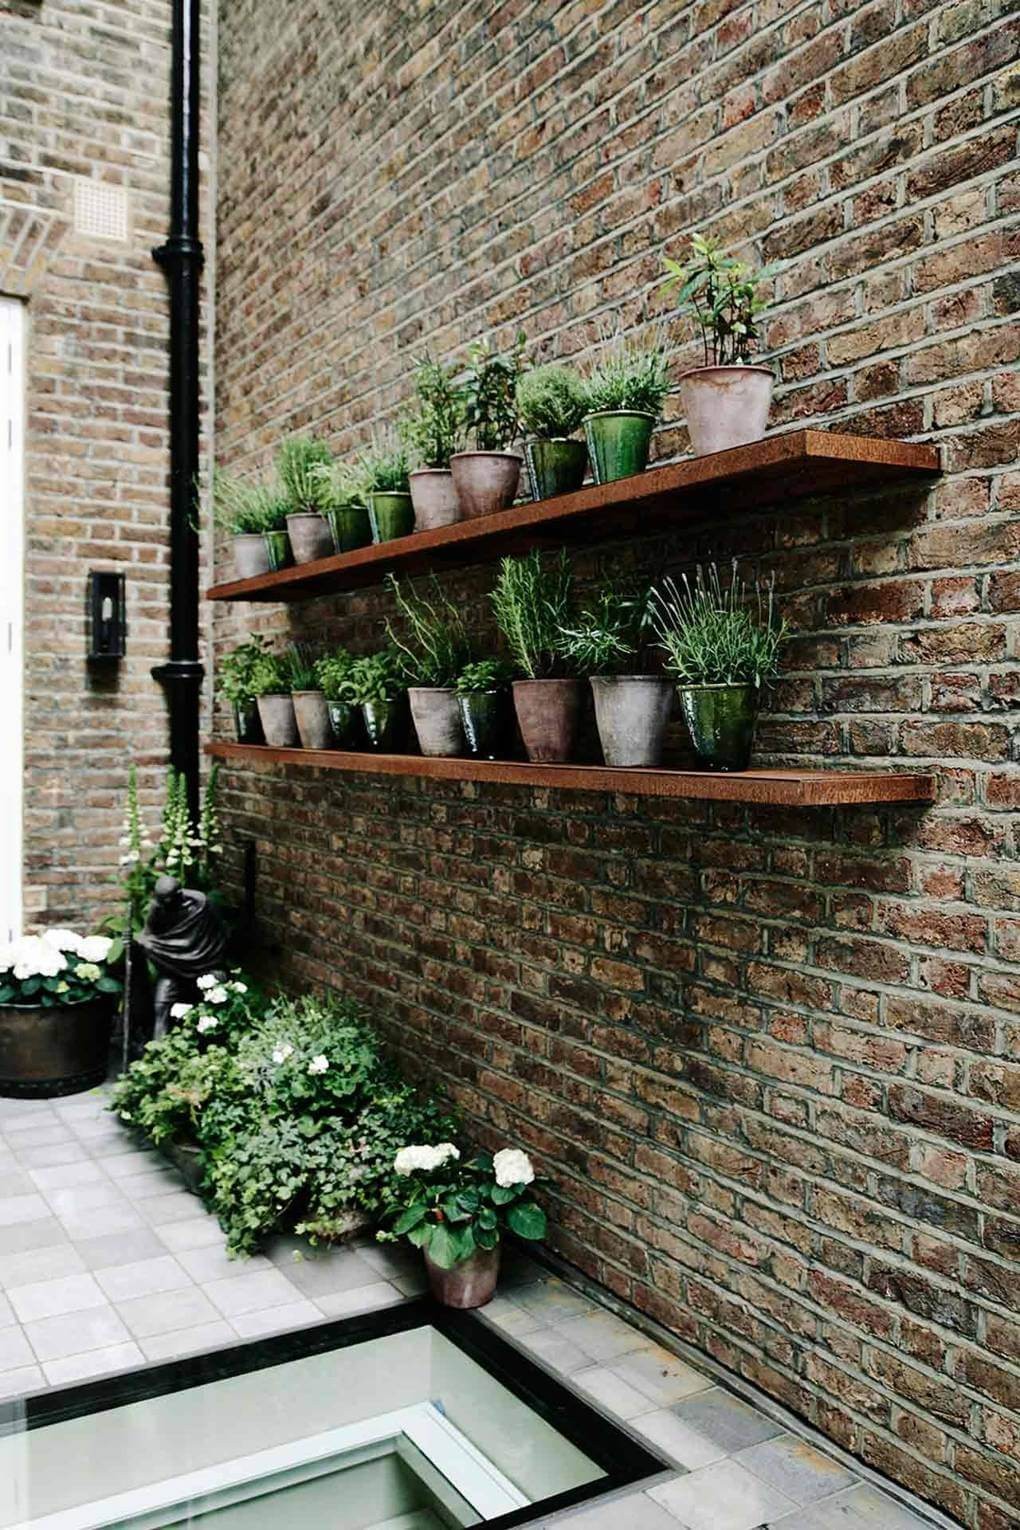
184 940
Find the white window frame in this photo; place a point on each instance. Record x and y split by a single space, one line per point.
13 329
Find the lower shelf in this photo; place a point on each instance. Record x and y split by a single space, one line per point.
779 788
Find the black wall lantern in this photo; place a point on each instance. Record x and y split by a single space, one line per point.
107 616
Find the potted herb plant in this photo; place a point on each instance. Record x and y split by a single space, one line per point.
432 433
456 1212
608 643
435 646
234 678
377 685
482 698
333 672
551 402
722 645
311 713
238 509
346 509
271 686
303 465
533 601
625 393
383 471
275 508
726 400
486 479
57 992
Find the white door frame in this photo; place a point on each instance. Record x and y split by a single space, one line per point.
13 327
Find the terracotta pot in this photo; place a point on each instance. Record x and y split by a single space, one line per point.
278 549
547 715
391 515
725 406
385 724
556 466
310 536
486 481
436 719
347 724
721 720
434 498
632 712
618 442
246 722
351 527
312 717
50 1050
250 555
469 1284
483 715
279 725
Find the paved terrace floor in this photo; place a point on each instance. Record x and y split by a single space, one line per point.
107 1263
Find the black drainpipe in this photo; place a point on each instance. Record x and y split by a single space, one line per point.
181 258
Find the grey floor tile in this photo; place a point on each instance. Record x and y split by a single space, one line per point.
212 1262
340 1304
673 1439
188 1341
390 1260
122 1165
98 1362
724 1496
15 1182
255 1325
6 1311
15 1350
552 1301
661 1376
121 1248
46 1263
553 1350
725 1420
250 1292
603 1386
41 1134
166 1311
100 1222
49 1154
634 1511
51 1298
859 1508
201 1231
503 1313
324 1273
66 1176
27 1378
796 1468
78 1200
146 1277
161 1210
17 1209
21 1236
601 1335
149 1181
73 1333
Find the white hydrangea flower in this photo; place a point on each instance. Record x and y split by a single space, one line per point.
512 1167
216 995
180 1011
95 948
64 940
238 987
206 1023
422 1156
34 957
208 980
282 1052
89 972
319 1064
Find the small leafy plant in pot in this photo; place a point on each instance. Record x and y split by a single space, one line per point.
345 508
57 993
234 679
486 479
333 672
434 646
533 605
239 510
270 685
482 697
384 480
378 686
311 714
551 402
433 432
726 400
625 393
722 645
609 644
303 465
456 1212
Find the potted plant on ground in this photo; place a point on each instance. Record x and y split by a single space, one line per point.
432 433
486 478
333 672
238 509
57 992
722 645
551 402
311 713
456 1212
435 648
383 472
346 509
270 685
608 643
482 698
234 677
625 393
726 400
377 685
533 605
303 465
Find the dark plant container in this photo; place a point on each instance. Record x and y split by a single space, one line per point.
618 442
547 714
250 556
278 549
347 724
350 527
436 718
391 515
721 720
385 725
469 1284
310 536
247 724
555 467
50 1050
276 714
187 1159
312 717
483 715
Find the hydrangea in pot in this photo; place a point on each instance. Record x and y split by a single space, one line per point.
457 1211
234 682
625 394
435 647
57 993
486 478
551 402
533 603
482 697
609 644
303 465
433 432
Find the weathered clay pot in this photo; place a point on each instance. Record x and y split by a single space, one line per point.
547 715
471 1283
385 724
485 481
48 1050
347 724
350 526
276 714
555 467
250 555
278 549
310 536
434 498
312 717
247 724
721 720
436 719
618 442
725 406
483 715
631 712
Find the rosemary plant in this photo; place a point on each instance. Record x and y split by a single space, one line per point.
303 464
435 645
532 603
718 634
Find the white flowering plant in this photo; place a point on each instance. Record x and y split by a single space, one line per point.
59 967
452 1208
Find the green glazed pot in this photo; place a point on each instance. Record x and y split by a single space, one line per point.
484 715
555 467
385 724
391 515
346 722
278 548
350 526
246 722
618 442
721 720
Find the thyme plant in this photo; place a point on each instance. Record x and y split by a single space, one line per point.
383 467
716 633
484 675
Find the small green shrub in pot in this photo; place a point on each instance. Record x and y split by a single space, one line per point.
270 682
625 390
234 681
311 713
239 510
609 643
333 672
482 697
303 465
433 431
434 645
533 604
551 402
346 507
57 992
384 470
486 478
722 643
378 685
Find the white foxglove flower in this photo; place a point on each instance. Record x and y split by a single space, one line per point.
318 1064
422 1156
180 1011
208 980
95 948
216 995
282 1052
512 1167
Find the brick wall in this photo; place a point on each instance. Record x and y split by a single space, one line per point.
84 93
770 1060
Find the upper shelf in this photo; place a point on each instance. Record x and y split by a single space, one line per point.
779 468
